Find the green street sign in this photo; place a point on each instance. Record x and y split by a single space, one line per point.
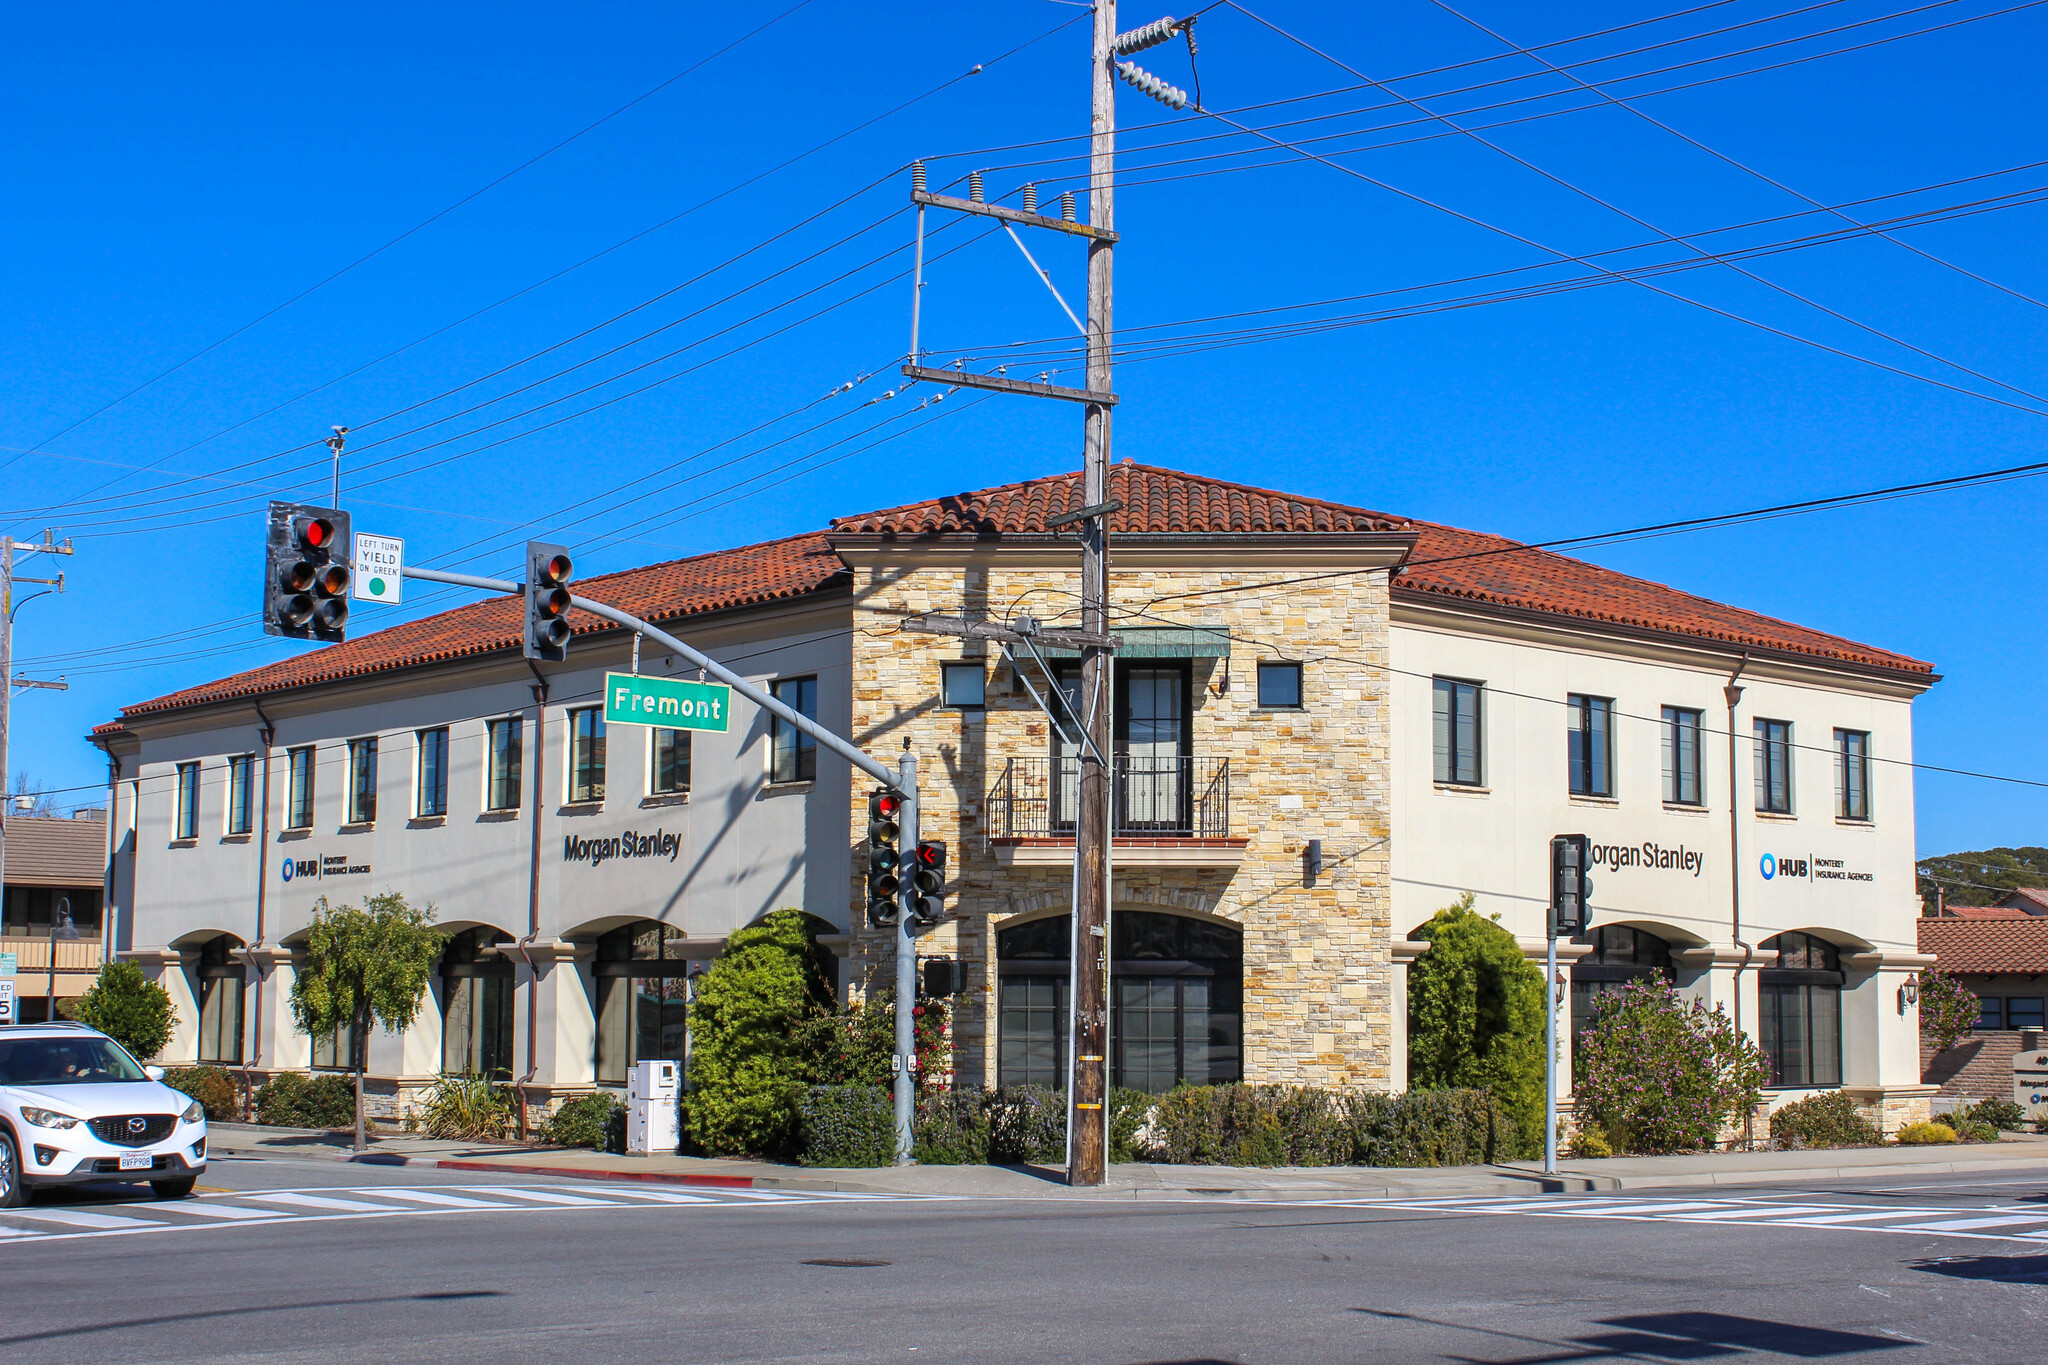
631 699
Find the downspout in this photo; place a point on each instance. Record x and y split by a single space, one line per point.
540 751
1733 696
268 734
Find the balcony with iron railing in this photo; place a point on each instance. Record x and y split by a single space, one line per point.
1165 812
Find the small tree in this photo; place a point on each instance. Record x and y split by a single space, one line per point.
128 1007
1948 1009
748 1023
364 965
1659 1073
1475 1018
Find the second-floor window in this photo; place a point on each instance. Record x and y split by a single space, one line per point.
1457 731
504 741
1280 684
586 755
433 774
1589 745
299 791
188 800
1774 766
1682 786
1852 774
241 788
793 755
670 775
362 781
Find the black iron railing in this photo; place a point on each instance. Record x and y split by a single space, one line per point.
1185 798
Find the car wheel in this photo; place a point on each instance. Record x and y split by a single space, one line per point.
10 1172
173 1189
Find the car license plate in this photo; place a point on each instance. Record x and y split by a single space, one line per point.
136 1161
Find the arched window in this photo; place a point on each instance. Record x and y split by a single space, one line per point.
643 998
220 1001
1619 956
1176 1002
476 1005
1799 1011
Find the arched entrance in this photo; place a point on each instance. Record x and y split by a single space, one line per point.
476 1005
1176 1001
222 981
643 997
1799 1011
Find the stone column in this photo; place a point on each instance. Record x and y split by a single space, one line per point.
1881 1038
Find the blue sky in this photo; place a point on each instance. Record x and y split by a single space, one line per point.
175 173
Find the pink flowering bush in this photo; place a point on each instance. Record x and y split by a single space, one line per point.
1948 1009
1660 1073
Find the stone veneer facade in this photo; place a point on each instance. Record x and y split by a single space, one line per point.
1319 993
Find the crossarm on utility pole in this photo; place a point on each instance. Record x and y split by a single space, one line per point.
826 738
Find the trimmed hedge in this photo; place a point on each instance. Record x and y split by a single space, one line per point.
952 1129
1027 1123
213 1087
596 1120
290 1100
1828 1120
845 1125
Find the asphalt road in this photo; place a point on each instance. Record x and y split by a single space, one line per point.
313 1260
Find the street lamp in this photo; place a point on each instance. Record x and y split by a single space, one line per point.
61 928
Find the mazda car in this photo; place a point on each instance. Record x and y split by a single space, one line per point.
76 1107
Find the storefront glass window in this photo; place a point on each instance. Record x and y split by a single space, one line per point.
220 1002
1799 1003
643 998
476 1006
1619 956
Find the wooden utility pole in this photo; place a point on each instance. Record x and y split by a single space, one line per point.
1088 1028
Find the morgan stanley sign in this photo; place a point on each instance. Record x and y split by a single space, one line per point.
1615 857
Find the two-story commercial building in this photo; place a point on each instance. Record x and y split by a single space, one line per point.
1426 706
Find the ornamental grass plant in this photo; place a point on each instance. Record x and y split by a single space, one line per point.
1662 1074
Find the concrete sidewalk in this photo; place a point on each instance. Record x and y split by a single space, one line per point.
2014 1156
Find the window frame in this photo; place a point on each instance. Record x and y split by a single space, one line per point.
1674 723
300 763
1446 767
1290 666
239 817
588 755
1767 772
513 772
430 791
1856 765
1590 773
786 739
361 792
185 814
949 669
654 760
1804 989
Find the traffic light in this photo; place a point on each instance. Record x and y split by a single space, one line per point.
928 879
305 595
940 978
885 857
1570 885
547 601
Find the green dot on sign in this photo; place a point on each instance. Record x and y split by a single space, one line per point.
376 587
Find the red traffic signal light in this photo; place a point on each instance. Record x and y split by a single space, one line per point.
306 586
313 533
928 874
885 859
555 569
547 601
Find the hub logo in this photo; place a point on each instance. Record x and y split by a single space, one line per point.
1773 866
304 867
288 870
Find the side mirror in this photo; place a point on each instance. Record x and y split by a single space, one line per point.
155 1073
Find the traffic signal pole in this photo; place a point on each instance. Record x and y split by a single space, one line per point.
902 779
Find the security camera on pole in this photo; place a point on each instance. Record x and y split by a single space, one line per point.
1570 889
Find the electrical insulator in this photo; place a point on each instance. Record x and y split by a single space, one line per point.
1151 35
917 176
974 186
1031 198
1145 83
1067 206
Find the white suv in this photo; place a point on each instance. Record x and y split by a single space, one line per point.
74 1106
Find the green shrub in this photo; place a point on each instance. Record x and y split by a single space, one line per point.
845 1125
1826 1120
1251 1125
212 1086
1590 1143
1662 1074
2006 1115
129 1008
1475 1018
1926 1134
586 1121
290 1100
465 1109
1129 1111
1427 1128
858 1046
1027 1123
747 1027
952 1129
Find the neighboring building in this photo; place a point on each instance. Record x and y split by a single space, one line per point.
1431 704
53 864
2029 900
2004 961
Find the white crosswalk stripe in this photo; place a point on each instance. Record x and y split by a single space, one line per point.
2001 1223
49 1220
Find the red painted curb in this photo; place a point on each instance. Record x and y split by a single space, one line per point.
724 1182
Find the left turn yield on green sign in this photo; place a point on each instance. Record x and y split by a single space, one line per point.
380 569
631 699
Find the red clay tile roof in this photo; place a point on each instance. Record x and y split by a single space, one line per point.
1155 502
1955 911
1974 945
2032 900
768 572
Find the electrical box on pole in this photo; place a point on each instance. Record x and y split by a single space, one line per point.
548 570
306 573
1570 884
885 858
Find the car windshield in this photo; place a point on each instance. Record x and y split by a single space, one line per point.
64 1061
